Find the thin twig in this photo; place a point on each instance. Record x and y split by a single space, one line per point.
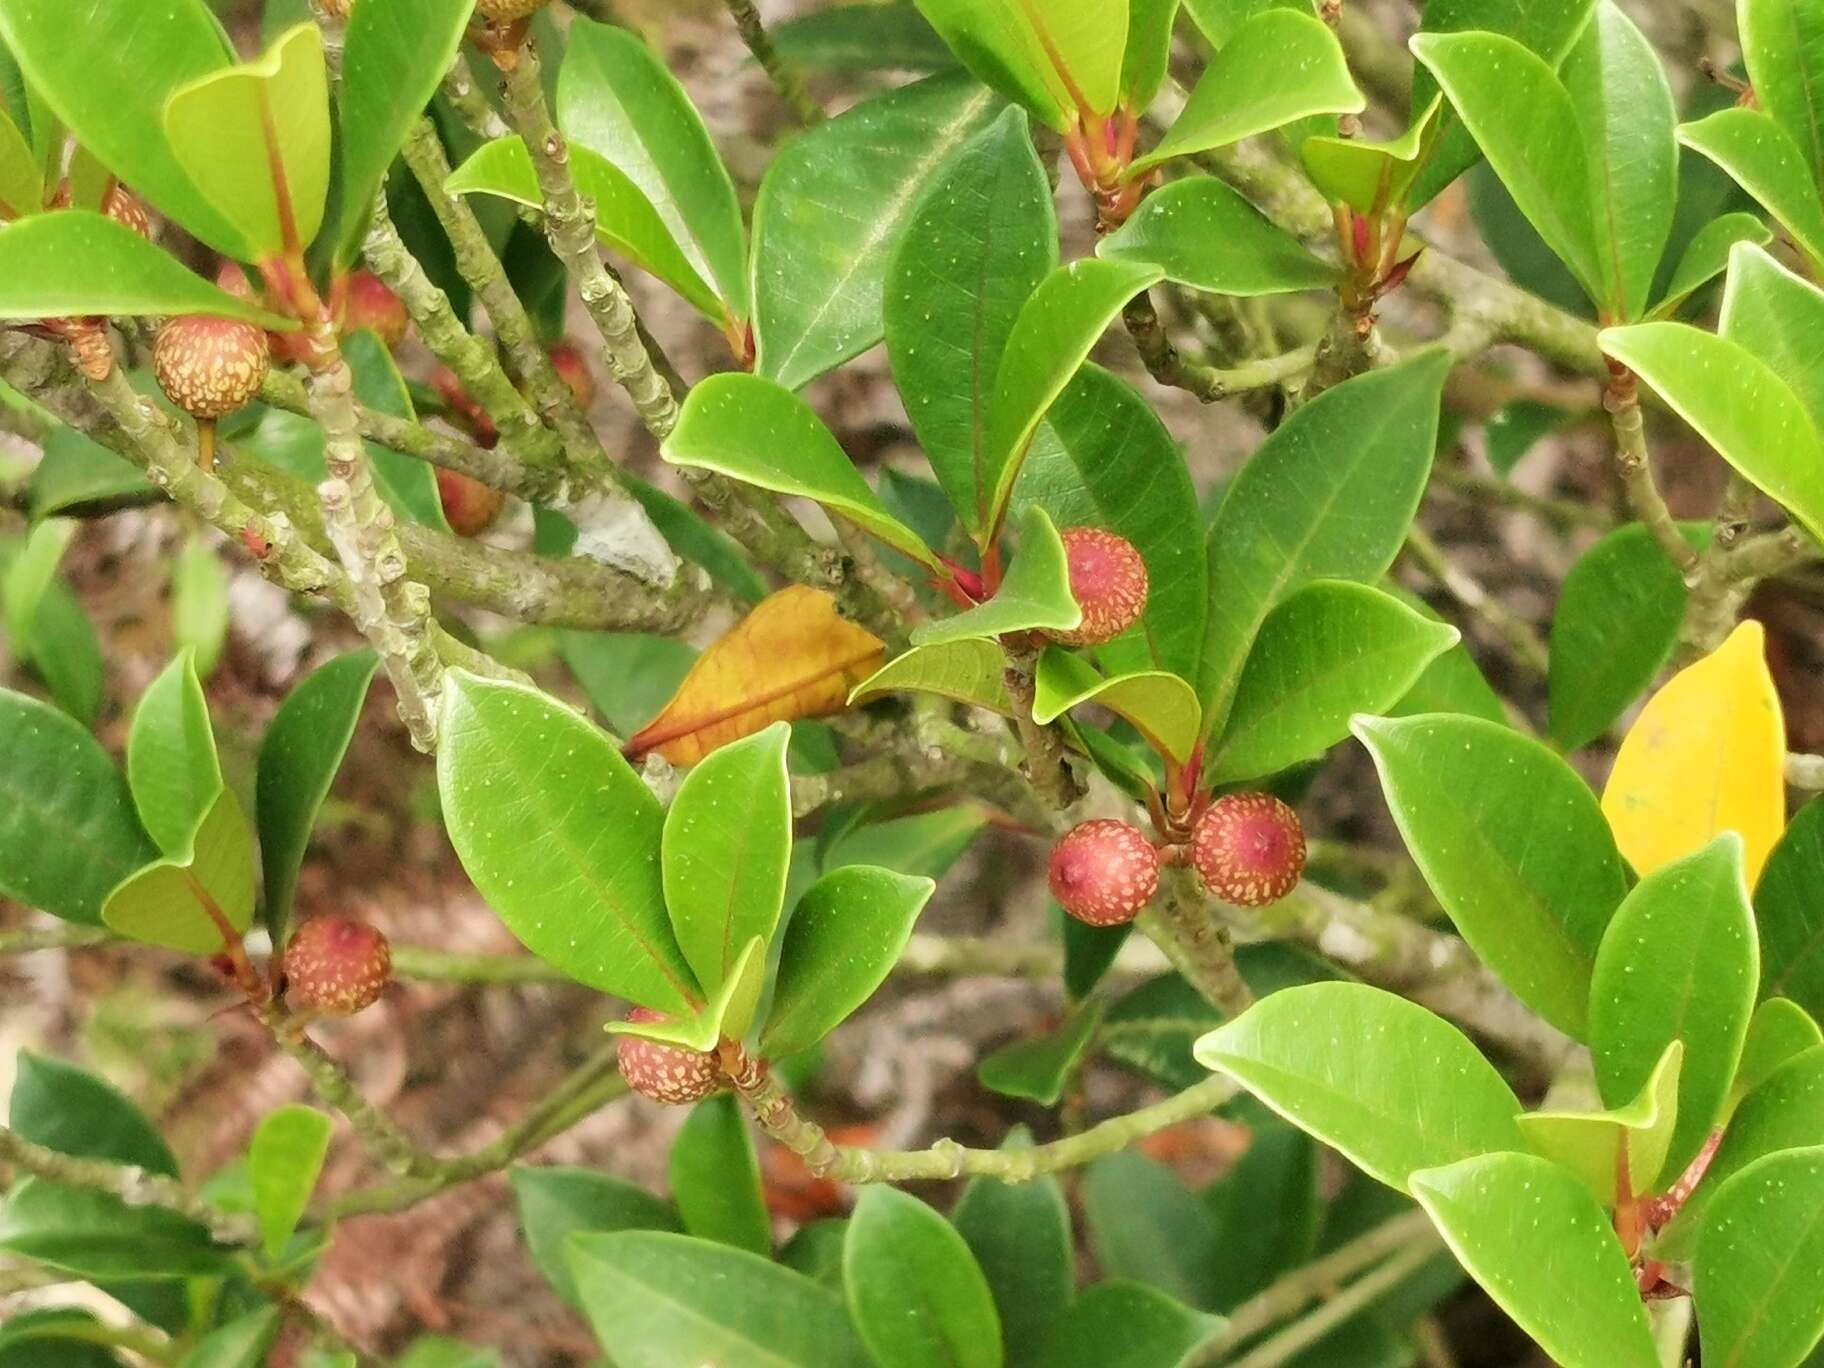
132 1185
1467 590
1167 365
783 74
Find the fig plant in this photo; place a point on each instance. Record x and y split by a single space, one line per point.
707 721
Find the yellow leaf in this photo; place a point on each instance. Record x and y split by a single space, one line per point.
1707 755
793 656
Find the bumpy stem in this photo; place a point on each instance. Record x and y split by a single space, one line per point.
1622 399
1467 590
1197 942
1166 364
784 76
1046 767
380 1134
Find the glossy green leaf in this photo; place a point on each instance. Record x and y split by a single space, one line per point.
107 67
199 604
979 240
625 221
75 471
1764 160
1783 47
561 837
815 1250
915 1292
1162 707
1514 846
299 756
1279 66
242 1343
846 934
1706 257
1599 1146
1363 174
171 901
1779 1030
924 845
96 1236
1535 1239
1149 49
1020 1235
831 208
54 1337
68 829
1329 651
729 1011
1617 620
1041 1067
554 1202
1121 1324
1050 57
171 760
78 263
283 1161
1328 496
628 676
616 98
1760 1257
970 671
72 1111
727 841
1541 159
1737 403
1142 1224
890 36
393 58
715 1178
408 485
1205 235
662 1299
1392 1086
255 141
1788 913
1776 315
1035 595
29 574
21 178
756 431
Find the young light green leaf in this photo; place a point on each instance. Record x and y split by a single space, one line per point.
21 178
727 841
1790 917
1331 650
1779 1030
715 1178
970 671
830 209
1599 1146
1162 707
729 1011
755 430
1706 256
241 1343
915 1292
554 1202
1392 1086
1149 49
171 757
1039 1069
1279 66
1777 317
560 836
979 240
1020 1236
1035 595
1783 47
1328 496
1205 235
283 1161
255 141
199 604
176 902
29 575
68 829
1762 158
1513 844
1363 174
1760 1257
1535 1239
1121 1324
1053 58
847 933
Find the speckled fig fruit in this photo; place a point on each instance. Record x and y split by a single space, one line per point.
336 966
209 366
665 1073
1108 581
1249 849
1103 872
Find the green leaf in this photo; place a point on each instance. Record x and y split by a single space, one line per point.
847 932
283 1161
1760 1257
616 98
1393 1087
715 1178
1783 46
831 208
1035 595
979 240
915 1292
1737 403
891 36
1162 707
75 471
1788 914
1279 66
199 604
1328 496
1541 158
1599 1146
1706 256
1039 1068
1053 57
662 1300
1775 315
1205 235
561 837
167 903
53 1337
1020 1236
726 844
171 759
729 1011
107 71
64 653
1762 158
1365 174
696 540
1513 844
1678 962
242 1343
1121 1324
554 1202
625 221
1103 459
21 178
815 1249
1453 683
77 263
30 573
1779 1030
72 1111
299 756
393 58
1149 49
1266 1213
1535 1239
628 676
68 831
756 431
97 1237
1142 1224
970 671
922 846
1331 650
255 142
408 485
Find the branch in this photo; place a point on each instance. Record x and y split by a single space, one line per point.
1622 399
783 75
1046 767
1467 590
1167 365
1182 923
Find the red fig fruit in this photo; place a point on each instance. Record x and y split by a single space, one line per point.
1249 849
336 965
665 1073
469 506
1103 872
1108 581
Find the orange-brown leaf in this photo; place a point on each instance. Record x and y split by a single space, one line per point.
792 657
